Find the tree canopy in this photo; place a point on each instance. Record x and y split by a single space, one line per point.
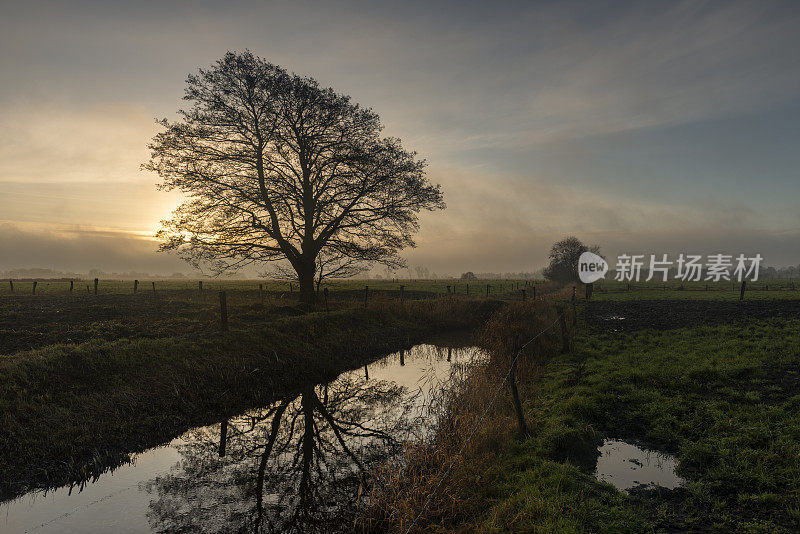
564 254
278 168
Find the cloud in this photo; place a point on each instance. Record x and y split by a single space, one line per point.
532 115
79 249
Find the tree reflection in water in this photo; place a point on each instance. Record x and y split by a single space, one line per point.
297 465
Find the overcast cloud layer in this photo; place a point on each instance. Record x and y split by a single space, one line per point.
665 127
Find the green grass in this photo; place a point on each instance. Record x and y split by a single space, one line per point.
670 290
723 399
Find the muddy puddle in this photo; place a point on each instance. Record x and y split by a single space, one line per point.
628 466
295 465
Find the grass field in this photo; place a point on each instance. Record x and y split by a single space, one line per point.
714 382
278 287
723 399
85 380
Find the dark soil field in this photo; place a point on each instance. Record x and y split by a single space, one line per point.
632 315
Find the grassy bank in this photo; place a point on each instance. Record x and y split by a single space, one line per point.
68 412
723 399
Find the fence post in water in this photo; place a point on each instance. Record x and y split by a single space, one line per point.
34 286
564 337
512 382
70 287
325 294
95 285
366 295
223 311
741 291
223 437
135 286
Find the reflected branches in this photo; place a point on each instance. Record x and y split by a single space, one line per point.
294 466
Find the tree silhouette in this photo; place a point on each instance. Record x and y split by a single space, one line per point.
295 466
564 256
278 168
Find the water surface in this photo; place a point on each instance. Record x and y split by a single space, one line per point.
628 466
295 465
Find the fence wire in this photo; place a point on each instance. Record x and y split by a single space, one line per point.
477 425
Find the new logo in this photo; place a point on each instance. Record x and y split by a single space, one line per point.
591 267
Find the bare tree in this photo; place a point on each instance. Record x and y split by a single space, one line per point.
278 168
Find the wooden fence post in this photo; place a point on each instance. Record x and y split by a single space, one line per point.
325 293
512 382
70 286
741 291
402 290
88 291
366 295
534 291
564 336
135 286
154 287
223 311
34 287
448 290
487 291
523 295
574 308
589 291
200 286
467 289
223 437
95 285
11 283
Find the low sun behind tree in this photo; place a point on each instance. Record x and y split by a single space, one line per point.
277 168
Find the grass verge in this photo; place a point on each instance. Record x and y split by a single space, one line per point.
723 399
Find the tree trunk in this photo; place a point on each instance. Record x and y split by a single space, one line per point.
306 276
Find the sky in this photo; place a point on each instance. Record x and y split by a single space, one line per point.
643 127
